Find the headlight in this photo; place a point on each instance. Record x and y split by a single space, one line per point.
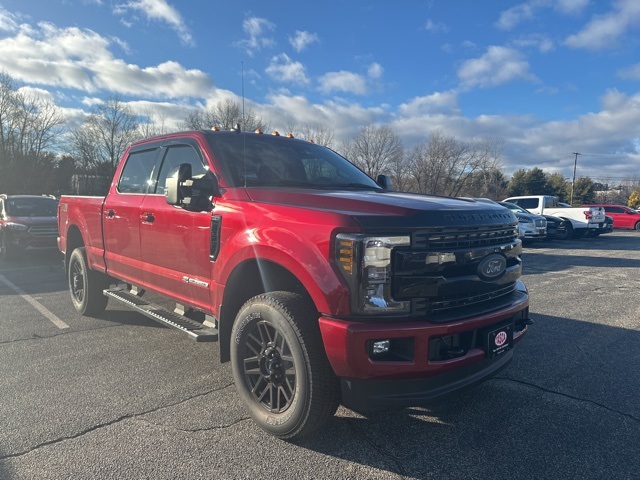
524 220
15 226
365 262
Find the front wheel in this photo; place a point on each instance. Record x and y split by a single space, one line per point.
279 365
637 227
568 231
86 285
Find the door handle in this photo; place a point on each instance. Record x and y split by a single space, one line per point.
111 213
147 217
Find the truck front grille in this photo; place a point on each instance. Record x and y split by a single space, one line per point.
442 274
465 237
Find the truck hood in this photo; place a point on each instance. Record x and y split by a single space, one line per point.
389 210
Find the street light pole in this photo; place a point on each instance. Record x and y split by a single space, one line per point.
575 164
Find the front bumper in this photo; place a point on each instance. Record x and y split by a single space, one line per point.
417 376
360 395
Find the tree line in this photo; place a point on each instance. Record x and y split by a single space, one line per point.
39 153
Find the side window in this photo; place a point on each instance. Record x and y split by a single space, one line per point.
136 173
613 210
174 156
528 202
549 202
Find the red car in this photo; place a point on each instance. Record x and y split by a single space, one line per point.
27 222
623 217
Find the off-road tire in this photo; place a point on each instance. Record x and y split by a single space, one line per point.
280 368
86 285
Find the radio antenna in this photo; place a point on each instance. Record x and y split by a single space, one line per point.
242 68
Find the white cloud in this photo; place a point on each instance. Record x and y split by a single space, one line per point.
604 31
343 81
80 59
435 27
512 17
497 66
159 10
257 30
542 43
570 7
351 82
437 102
8 21
631 73
375 70
302 39
283 69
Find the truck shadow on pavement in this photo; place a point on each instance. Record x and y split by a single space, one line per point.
567 404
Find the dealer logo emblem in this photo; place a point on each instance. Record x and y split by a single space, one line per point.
492 266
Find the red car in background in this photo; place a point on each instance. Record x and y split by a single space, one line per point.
623 217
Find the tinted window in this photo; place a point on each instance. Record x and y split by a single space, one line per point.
613 210
136 173
527 203
174 156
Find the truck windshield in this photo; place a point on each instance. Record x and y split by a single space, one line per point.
249 160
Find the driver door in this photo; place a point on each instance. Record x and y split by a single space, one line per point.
175 243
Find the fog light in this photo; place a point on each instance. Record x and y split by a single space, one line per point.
380 347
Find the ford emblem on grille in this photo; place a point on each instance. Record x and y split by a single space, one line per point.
492 266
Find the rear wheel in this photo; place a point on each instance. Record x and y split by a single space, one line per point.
279 365
86 285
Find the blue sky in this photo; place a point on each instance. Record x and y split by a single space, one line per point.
546 77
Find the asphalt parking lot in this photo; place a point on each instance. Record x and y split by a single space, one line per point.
122 397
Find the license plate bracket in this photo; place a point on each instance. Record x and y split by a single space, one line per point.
499 340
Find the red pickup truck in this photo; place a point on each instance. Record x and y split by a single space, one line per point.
322 285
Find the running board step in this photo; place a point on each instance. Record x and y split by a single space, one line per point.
195 330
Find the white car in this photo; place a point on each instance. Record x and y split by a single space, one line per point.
530 227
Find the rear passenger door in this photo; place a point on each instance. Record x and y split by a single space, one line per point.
175 243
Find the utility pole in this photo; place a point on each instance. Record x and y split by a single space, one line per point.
575 164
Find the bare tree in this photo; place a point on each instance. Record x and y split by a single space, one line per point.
313 132
225 114
444 165
155 124
30 126
103 137
375 149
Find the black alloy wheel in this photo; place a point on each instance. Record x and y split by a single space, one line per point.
280 369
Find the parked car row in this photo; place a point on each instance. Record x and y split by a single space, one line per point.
534 227
27 223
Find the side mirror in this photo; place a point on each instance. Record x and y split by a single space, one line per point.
385 182
175 184
192 194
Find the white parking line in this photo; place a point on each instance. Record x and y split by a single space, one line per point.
37 305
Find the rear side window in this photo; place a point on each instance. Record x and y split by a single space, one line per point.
613 209
527 203
174 156
136 173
